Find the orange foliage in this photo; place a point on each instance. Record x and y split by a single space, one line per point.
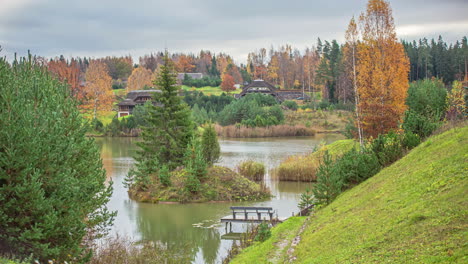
382 67
140 78
185 64
98 88
227 84
68 72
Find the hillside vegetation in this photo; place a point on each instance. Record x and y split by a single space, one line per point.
302 167
414 211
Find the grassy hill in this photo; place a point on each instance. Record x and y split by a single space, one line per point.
415 211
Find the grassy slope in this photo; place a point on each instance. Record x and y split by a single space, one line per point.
414 211
269 250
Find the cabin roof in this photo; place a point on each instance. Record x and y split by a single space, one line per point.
133 95
193 75
259 84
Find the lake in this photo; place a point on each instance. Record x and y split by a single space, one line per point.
196 228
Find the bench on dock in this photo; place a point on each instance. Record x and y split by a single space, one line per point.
245 211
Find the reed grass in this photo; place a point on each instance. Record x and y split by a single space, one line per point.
238 131
303 167
252 170
122 250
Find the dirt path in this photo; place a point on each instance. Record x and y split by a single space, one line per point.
296 240
282 244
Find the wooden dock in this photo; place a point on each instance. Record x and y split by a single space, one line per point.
241 214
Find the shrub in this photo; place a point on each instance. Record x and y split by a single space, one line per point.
355 167
97 125
387 148
290 105
264 232
427 103
252 170
164 176
410 140
210 145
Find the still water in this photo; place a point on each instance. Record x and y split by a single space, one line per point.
195 228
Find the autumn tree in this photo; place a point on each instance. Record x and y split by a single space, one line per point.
150 61
184 63
140 78
350 60
98 88
382 80
68 72
118 67
456 102
227 84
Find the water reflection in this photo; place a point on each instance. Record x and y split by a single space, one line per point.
194 229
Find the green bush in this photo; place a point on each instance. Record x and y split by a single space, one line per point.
210 145
427 103
422 125
263 233
252 170
290 104
388 148
355 167
164 176
410 140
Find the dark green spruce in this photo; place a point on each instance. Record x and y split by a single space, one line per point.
167 132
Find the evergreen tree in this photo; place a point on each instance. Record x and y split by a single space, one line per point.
168 128
195 165
210 145
329 182
53 194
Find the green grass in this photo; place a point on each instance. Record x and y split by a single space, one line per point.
208 90
414 211
275 247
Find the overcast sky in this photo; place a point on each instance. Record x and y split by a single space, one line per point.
120 27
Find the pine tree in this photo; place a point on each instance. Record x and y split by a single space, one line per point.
53 194
329 181
210 145
168 127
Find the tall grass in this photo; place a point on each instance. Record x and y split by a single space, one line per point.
238 131
303 167
252 170
121 250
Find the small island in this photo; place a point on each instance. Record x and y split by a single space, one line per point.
220 184
176 160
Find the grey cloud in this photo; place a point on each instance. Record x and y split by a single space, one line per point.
98 28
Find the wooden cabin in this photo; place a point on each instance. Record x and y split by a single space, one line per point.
134 98
264 87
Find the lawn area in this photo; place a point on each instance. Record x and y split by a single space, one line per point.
274 248
414 211
208 90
